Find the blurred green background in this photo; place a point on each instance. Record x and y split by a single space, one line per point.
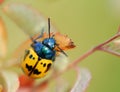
87 23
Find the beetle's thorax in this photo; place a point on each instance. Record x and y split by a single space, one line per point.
49 42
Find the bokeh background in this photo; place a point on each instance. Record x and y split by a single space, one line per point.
88 23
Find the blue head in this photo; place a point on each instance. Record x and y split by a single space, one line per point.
49 42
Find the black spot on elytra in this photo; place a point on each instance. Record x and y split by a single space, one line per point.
36 72
31 56
29 67
44 65
48 67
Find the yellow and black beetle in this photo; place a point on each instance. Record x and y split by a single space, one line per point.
40 56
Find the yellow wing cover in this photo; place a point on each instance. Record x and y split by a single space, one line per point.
34 66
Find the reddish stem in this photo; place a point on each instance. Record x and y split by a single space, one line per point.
110 51
98 47
75 62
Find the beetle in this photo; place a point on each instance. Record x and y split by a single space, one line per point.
40 56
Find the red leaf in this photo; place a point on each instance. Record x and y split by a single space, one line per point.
25 81
1 1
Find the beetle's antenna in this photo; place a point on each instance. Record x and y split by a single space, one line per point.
61 50
49 27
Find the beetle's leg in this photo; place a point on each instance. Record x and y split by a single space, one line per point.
41 35
26 53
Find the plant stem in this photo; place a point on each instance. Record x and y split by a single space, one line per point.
75 62
98 47
110 51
